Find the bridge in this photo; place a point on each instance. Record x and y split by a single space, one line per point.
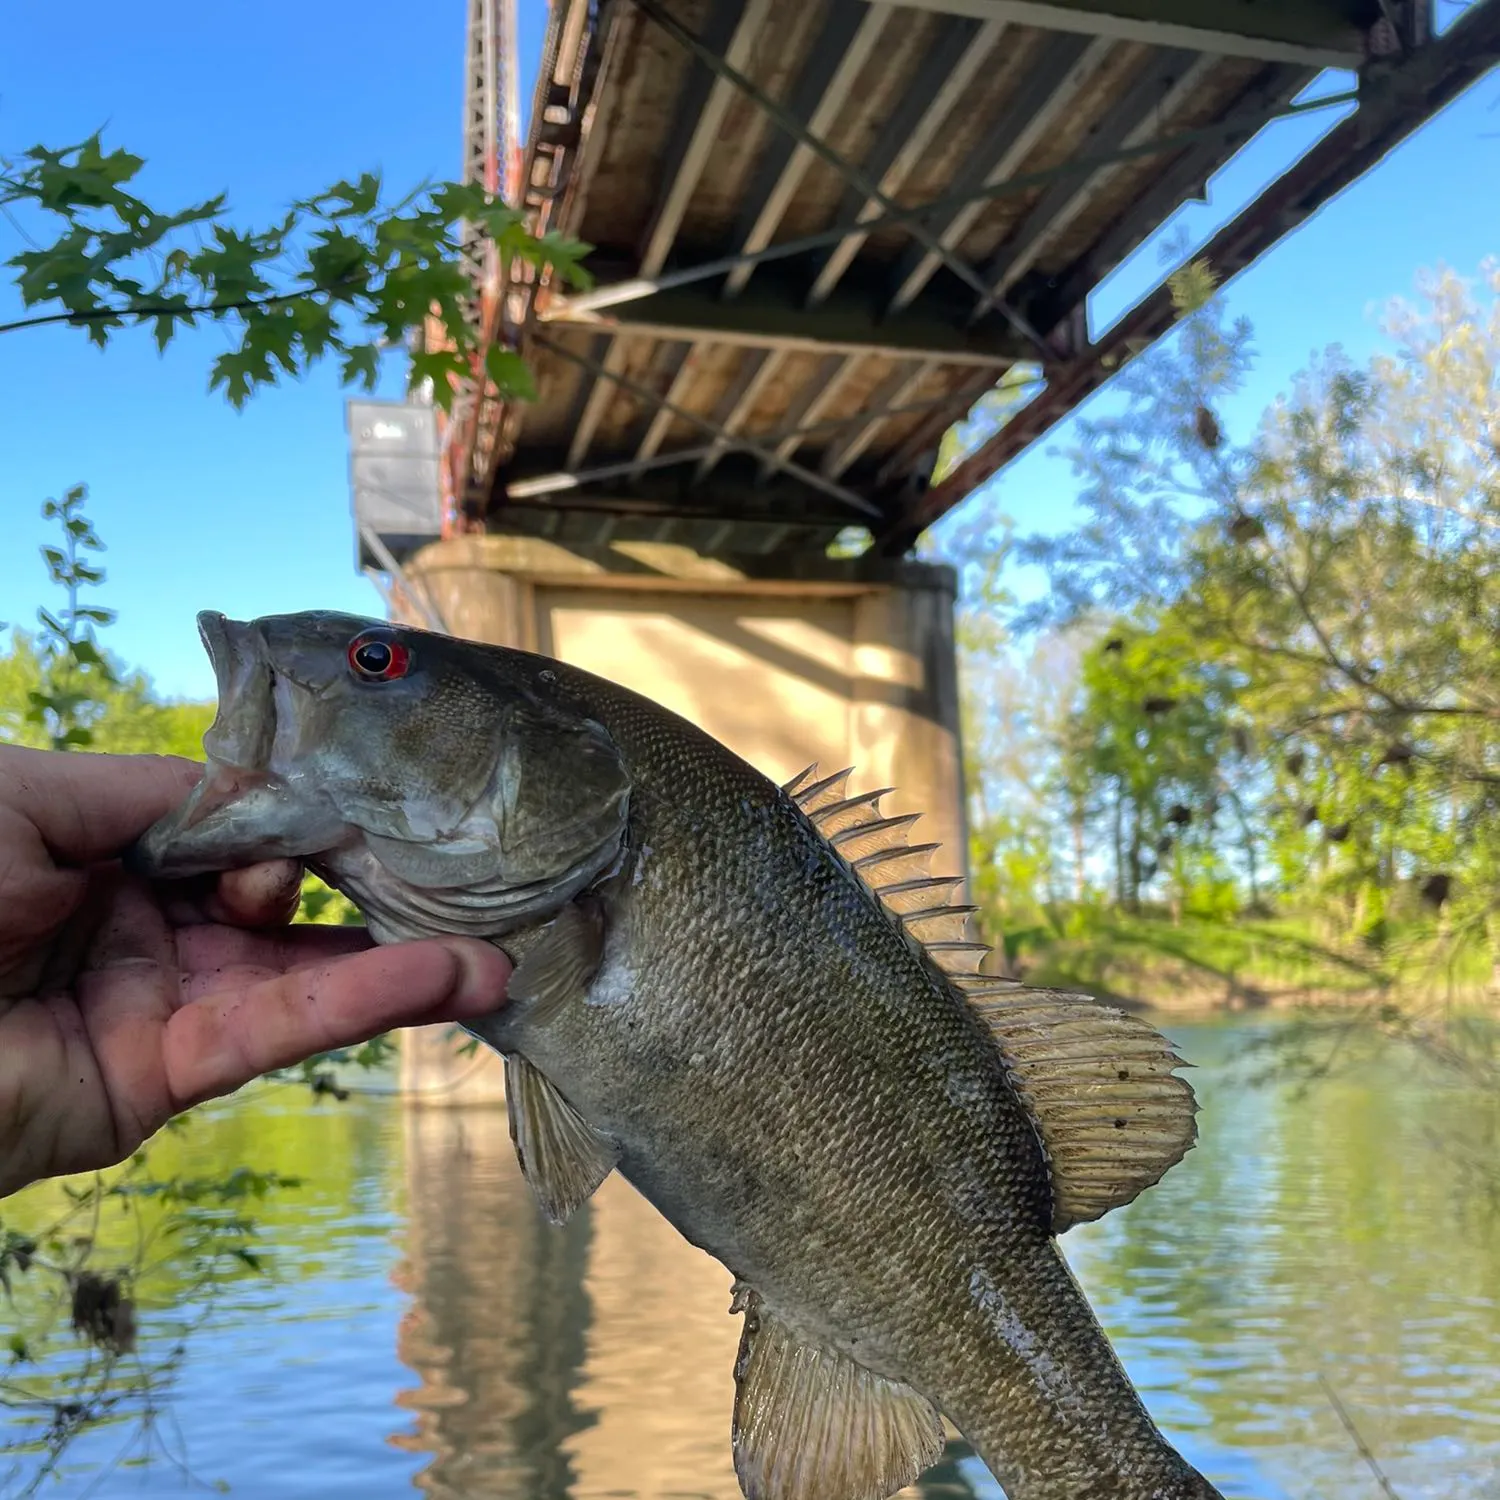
824 230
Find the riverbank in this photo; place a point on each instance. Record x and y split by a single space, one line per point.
1202 965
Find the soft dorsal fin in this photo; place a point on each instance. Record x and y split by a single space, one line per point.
1112 1114
1100 1084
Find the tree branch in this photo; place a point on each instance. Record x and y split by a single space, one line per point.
175 310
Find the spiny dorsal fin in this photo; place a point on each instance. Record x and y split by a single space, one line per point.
1113 1115
800 779
876 849
810 1424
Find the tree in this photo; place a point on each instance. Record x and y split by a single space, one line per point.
1152 729
1322 597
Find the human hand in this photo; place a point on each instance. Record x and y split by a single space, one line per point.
123 1003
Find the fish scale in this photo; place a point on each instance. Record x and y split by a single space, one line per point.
756 1004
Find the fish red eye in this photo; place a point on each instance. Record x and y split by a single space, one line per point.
377 658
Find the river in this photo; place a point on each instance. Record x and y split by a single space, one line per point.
425 1331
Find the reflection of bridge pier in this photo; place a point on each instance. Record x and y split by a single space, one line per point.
497 1327
588 1360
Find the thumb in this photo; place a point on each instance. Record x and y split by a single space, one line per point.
231 1036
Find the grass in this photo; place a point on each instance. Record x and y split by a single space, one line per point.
1235 961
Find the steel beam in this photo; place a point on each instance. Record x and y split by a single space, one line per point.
1185 180
896 388
733 26
1314 33
1395 101
929 431
679 507
961 50
637 288
726 69
795 431
850 32
770 316
652 398
1061 74
735 407
597 395
1163 87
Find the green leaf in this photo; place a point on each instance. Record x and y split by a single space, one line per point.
436 365
337 262
463 200
509 371
240 371
271 335
356 200
315 326
228 272
361 363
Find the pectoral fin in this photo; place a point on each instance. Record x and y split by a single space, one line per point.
561 964
810 1424
562 1156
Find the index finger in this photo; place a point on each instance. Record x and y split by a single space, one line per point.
91 807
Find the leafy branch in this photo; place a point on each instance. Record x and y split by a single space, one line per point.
74 669
341 275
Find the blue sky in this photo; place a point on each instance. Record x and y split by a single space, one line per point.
248 512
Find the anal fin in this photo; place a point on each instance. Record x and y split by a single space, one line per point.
562 1156
810 1424
1102 1088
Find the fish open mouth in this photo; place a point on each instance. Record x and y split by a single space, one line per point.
243 732
241 811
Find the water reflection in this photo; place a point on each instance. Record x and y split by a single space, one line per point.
496 1327
1310 1237
427 1332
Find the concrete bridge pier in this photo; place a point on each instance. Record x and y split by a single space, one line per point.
846 662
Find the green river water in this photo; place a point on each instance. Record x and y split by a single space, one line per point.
425 1331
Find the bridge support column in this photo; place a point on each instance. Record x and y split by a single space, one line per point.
846 662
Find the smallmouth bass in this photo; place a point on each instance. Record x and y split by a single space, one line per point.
757 1005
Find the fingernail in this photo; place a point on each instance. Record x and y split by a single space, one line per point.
483 973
